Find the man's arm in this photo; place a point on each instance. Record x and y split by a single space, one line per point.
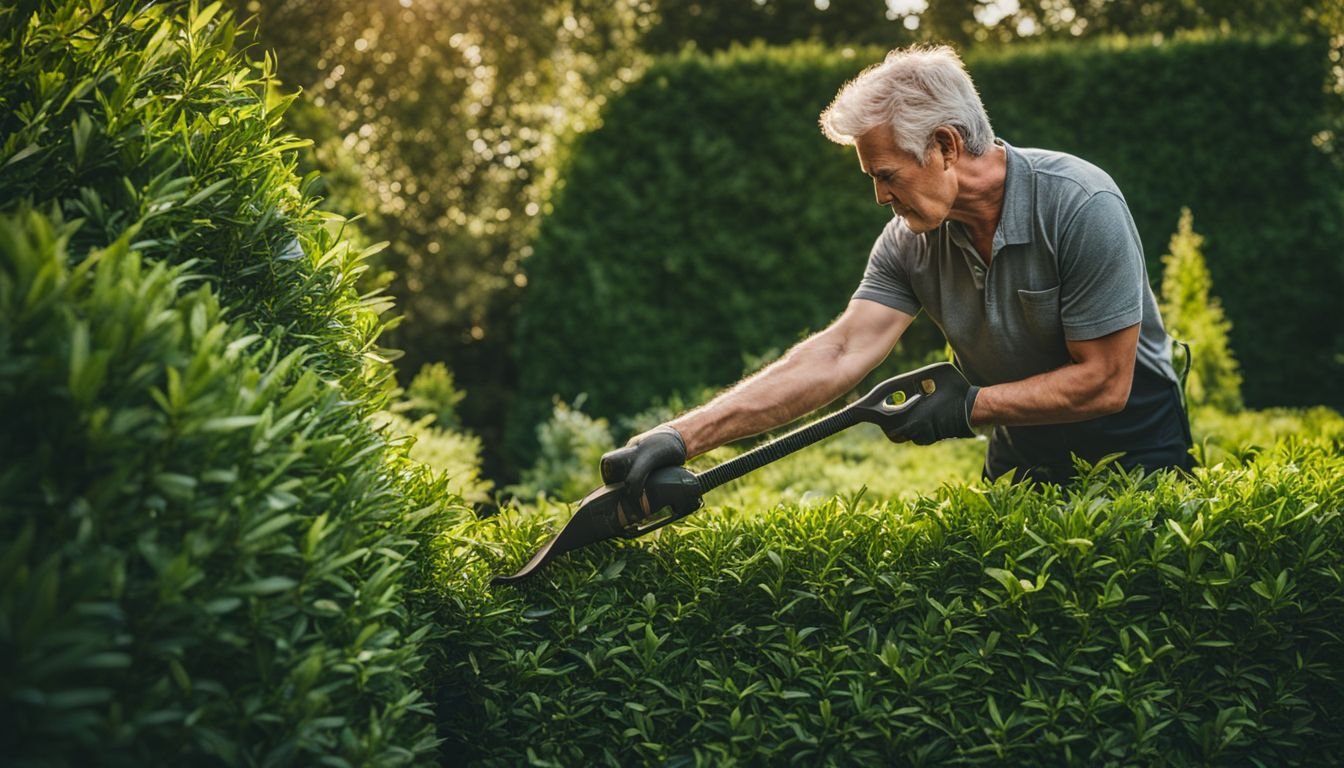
811 374
1096 383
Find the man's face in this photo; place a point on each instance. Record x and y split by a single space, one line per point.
922 195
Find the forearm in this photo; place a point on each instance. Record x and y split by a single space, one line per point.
812 374
1074 392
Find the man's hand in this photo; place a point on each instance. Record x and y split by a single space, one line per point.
944 413
660 447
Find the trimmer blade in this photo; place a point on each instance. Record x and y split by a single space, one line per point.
597 519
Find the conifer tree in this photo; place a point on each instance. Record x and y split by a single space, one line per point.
1193 315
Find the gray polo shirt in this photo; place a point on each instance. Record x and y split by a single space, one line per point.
1067 263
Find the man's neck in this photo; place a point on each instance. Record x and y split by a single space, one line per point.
979 203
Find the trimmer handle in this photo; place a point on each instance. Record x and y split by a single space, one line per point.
672 493
886 404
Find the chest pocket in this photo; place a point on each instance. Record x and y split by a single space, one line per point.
1040 313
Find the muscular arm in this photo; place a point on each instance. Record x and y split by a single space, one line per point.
1096 383
811 374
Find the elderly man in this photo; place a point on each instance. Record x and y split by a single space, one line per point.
1027 259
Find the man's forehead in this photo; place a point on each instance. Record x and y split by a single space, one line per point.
881 153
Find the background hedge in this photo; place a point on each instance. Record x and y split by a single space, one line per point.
708 219
207 548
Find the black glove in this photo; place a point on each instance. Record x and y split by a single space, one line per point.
660 447
943 413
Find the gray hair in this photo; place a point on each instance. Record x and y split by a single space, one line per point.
915 90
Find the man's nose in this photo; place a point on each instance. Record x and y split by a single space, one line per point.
884 196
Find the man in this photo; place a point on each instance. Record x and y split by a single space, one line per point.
1029 262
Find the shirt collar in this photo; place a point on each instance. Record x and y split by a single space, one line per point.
1015 221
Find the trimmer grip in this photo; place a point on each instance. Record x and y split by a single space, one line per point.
672 493
887 403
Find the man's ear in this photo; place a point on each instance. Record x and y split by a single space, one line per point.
949 144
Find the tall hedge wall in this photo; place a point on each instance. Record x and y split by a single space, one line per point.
206 548
709 219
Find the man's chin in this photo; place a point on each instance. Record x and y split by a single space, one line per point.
919 226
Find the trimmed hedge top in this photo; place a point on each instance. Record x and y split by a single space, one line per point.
1155 621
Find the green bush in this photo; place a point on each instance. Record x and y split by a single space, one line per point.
1157 621
208 552
570 448
454 455
433 393
708 218
1219 433
1195 316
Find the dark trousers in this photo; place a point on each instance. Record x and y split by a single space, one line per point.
1152 433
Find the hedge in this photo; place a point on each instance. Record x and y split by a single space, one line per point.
1131 621
708 218
208 552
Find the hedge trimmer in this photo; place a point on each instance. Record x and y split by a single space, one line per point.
675 492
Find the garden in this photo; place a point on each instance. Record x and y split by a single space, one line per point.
315 320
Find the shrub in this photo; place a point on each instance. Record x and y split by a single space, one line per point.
455 456
208 554
433 393
1219 433
1194 316
1149 621
708 217
570 448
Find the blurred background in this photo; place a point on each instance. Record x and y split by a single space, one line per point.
617 206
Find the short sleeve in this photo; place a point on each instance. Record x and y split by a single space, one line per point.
886 280
1101 271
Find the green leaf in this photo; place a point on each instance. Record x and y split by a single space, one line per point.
267 586
1009 581
196 199
198 19
222 605
229 423
176 486
80 131
180 675
268 527
22 155
1176 528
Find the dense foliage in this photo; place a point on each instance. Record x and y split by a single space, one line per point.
206 546
214 517
716 25
1162 620
443 125
708 218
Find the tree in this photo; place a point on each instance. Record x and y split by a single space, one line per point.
1195 316
447 124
